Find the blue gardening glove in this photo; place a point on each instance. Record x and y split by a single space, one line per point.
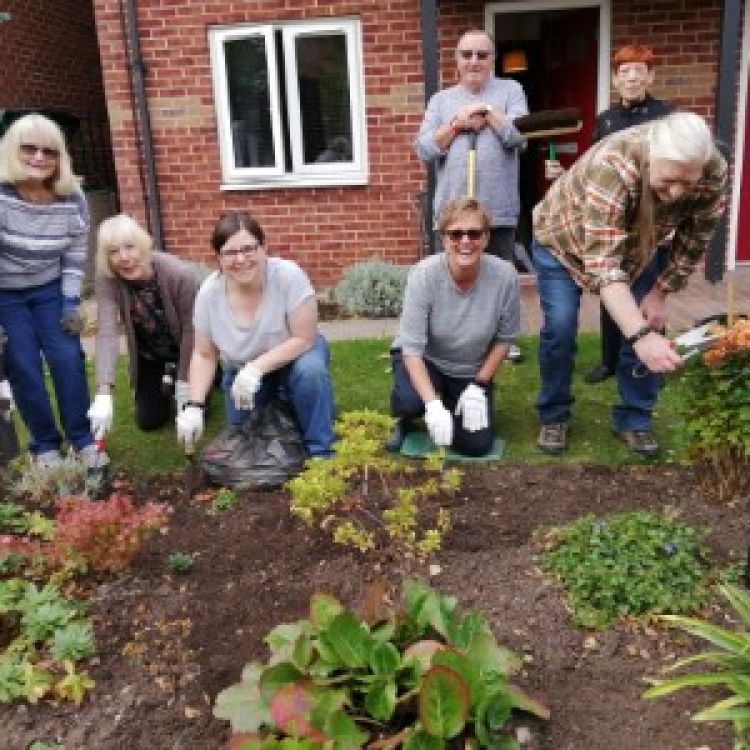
71 320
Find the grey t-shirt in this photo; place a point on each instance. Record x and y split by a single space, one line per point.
286 288
454 329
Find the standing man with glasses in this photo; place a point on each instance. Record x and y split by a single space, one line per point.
485 105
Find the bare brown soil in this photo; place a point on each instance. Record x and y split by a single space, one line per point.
168 644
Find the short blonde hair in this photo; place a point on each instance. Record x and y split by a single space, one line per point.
454 209
45 133
683 137
115 231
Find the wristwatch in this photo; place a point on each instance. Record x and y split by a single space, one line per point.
644 330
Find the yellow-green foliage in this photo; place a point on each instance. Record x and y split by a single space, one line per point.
338 495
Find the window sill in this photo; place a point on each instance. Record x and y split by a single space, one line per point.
297 182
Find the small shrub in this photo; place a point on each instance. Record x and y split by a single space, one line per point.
413 678
181 562
354 496
732 662
629 564
372 288
716 405
103 535
223 501
44 485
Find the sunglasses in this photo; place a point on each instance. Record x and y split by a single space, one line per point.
245 251
456 235
29 149
480 54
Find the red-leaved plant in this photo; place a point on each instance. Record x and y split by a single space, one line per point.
103 535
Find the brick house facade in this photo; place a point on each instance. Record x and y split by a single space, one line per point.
327 227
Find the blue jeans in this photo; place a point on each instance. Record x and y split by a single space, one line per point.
306 384
560 298
406 403
31 318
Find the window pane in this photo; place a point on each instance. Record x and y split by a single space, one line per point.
325 103
249 102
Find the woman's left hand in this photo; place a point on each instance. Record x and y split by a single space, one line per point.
71 320
245 386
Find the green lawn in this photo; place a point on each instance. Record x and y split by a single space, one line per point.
361 377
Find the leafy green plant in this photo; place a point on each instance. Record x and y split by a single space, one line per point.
369 500
716 406
630 564
417 678
43 485
181 562
372 288
731 659
74 642
223 501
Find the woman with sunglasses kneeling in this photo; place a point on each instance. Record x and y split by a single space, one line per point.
461 314
259 316
44 226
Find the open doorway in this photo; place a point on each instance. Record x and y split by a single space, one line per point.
561 66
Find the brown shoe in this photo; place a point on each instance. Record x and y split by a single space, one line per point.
641 442
553 438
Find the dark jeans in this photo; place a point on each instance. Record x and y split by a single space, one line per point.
502 243
152 406
306 384
611 339
407 404
560 298
31 318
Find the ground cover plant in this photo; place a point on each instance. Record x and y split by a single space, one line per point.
414 678
630 564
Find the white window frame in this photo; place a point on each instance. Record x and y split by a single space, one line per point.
302 175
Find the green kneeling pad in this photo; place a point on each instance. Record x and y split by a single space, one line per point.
418 444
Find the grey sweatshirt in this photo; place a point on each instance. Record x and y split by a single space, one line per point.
497 152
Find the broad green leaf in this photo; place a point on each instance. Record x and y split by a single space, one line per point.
344 732
384 659
243 707
443 702
323 608
252 671
277 676
521 699
380 700
385 630
350 640
420 740
491 716
302 653
326 703
464 667
492 658
466 629
282 638
429 607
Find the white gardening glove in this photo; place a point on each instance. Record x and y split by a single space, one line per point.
181 395
472 403
189 424
7 394
245 386
100 415
439 423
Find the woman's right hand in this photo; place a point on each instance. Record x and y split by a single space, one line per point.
100 415
189 424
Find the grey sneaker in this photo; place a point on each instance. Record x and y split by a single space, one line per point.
48 459
93 458
553 438
641 442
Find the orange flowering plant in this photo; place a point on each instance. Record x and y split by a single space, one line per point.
717 410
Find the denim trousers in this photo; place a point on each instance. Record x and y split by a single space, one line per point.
560 299
31 319
406 403
306 384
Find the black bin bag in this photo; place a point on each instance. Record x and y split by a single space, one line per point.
261 453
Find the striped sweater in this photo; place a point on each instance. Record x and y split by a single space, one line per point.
41 243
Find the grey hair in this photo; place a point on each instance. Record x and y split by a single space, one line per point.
683 137
116 230
471 32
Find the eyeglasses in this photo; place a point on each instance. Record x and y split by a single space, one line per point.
456 235
480 54
233 253
29 149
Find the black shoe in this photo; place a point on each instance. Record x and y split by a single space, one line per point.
598 374
398 435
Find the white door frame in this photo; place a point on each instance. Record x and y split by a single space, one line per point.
740 143
605 31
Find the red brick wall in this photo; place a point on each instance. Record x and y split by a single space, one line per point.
49 57
326 229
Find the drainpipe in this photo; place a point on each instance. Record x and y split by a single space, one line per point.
144 136
428 16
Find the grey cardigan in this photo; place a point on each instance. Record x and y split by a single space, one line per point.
177 285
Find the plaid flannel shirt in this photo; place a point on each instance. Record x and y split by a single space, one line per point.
589 218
